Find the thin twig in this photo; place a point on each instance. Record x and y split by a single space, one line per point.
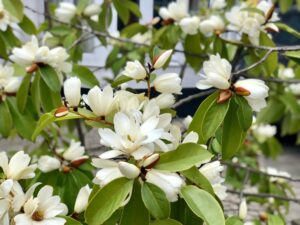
265 195
191 97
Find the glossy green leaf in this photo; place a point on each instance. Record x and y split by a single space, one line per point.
35 92
134 8
196 177
234 220
155 201
135 211
272 112
3 52
233 134
122 10
6 122
203 204
107 201
71 221
244 112
166 222
275 220
49 100
85 75
192 49
50 77
15 8
208 117
183 158
120 80
27 26
288 29
22 93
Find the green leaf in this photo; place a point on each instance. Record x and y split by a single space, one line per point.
134 8
195 176
234 220
272 112
291 102
275 220
233 135
49 100
244 112
27 26
203 205
287 28
35 92
293 55
85 75
133 29
192 47
270 65
135 211
120 80
81 5
61 30
155 201
107 201
6 122
208 117
15 8
71 221
50 77
122 10
166 222
183 158
22 93
3 48
285 5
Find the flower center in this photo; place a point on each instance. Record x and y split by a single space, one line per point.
37 216
1 15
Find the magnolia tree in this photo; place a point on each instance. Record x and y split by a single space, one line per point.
150 168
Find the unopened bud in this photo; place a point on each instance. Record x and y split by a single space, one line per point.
129 170
66 169
61 111
224 95
32 68
150 161
243 209
160 60
263 216
242 91
78 162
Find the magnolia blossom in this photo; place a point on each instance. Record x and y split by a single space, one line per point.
212 172
65 12
142 38
263 131
294 88
189 25
286 73
161 60
131 135
216 73
82 199
214 24
217 4
30 54
42 209
72 91
6 19
5 189
18 167
135 70
254 91
92 9
102 102
74 152
165 100
47 163
168 83
243 209
175 10
170 183
8 82
275 172
126 101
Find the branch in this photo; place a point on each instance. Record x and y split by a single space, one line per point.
252 170
191 97
265 195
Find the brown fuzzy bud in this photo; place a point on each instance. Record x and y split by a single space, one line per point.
242 91
61 111
78 162
32 68
224 95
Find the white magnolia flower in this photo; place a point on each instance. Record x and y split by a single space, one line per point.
18 167
214 24
135 70
74 152
175 10
92 10
168 83
217 4
9 83
129 170
5 190
47 163
286 73
161 60
275 172
254 91
72 91
42 209
294 88
142 38
131 135
170 183
165 100
216 73
263 131
101 102
212 172
187 121
57 59
189 25
266 6
243 209
82 199
65 12
5 18
126 101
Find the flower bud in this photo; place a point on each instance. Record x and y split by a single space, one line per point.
91 10
224 95
61 111
243 209
135 70
187 121
168 83
72 91
151 160
129 170
190 25
47 163
82 199
65 12
165 100
160 60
